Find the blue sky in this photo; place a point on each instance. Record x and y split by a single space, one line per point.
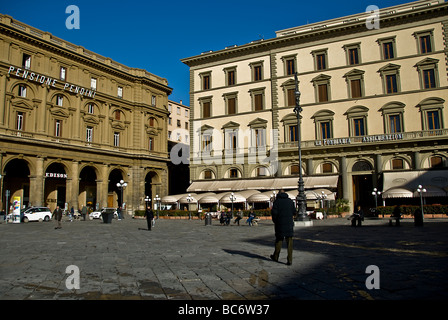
155 35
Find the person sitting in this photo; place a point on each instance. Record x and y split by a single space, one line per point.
251 217
357 217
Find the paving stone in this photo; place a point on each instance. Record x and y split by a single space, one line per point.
181 259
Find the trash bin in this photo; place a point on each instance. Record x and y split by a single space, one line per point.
107 215
208 219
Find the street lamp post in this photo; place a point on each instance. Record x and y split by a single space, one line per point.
421 190
376 193
157 200
147 200
322 198
232 198
301 197
189 199
121 185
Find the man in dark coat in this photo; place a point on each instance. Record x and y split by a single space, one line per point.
149 217
57 215
283 211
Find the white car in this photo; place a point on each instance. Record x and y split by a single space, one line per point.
95 215
36 214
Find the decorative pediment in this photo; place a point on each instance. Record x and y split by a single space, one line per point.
389 67
152 132
231 125
91 119
354 72
23 104
321 77
427 61
117 125
59 112
257 122
288 83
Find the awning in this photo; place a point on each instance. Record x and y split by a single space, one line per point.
209 199
403 184
172 198
260 197
397 193
431 191
238 198
287 183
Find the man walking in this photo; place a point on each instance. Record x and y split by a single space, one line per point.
283 212
149 217
57 215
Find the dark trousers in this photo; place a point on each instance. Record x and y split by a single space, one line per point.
149 221
278 248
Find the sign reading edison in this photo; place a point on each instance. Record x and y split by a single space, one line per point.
32 76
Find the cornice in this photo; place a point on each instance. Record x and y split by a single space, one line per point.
38 39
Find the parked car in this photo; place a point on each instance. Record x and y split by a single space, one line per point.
36 214
95 215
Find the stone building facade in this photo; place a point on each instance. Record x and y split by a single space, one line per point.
73 124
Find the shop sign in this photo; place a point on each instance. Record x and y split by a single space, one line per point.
56 175
365 139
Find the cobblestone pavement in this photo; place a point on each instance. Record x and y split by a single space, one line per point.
181 259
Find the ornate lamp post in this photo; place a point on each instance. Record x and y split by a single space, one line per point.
301 197
147 201
421 190
121 185
376 193
189 199
232 198
157 200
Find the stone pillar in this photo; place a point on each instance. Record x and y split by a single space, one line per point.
417 161
37 184
345 182
103 186
74 184
2 98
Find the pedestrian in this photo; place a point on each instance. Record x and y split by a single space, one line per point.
119 212
222 217
251 217
396 214
72 214
149 217
239 216
84 212
57 215
228 217
283 211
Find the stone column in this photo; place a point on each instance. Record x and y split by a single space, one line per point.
103 186
74 184
37 184
345 182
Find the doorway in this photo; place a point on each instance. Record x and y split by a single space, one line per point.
362 190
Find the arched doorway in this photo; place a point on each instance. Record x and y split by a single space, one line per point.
362 183
55 186
16 180
115 195
87 188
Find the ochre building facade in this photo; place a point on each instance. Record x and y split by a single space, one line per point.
73 124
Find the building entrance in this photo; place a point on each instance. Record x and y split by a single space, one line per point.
55 186
16 180
362 190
